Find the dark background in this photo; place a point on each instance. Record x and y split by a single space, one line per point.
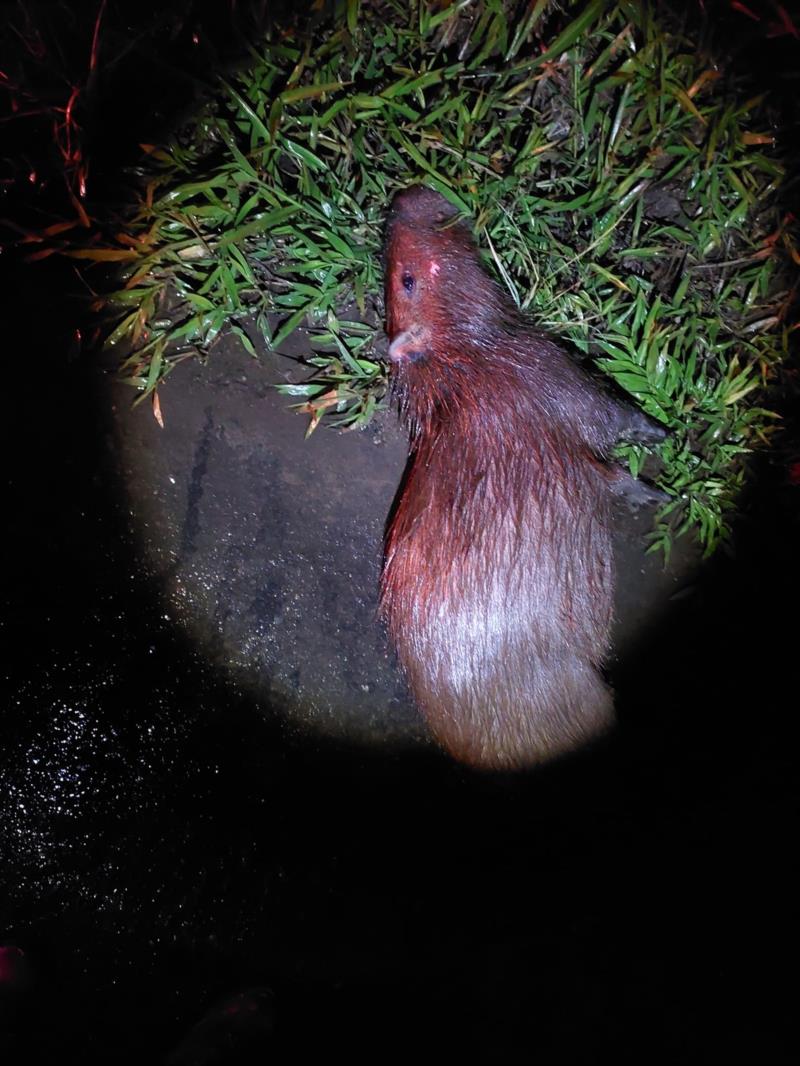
170 854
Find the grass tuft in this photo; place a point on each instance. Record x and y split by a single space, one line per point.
625 193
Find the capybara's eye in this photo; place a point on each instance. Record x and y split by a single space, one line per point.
408 282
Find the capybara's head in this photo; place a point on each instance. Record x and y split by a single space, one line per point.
428 251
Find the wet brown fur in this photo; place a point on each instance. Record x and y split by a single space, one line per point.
497 583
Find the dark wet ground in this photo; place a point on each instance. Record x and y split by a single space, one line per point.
217 804
267 547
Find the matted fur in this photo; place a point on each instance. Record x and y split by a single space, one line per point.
497 583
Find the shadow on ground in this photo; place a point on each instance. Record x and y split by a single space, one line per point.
207 822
